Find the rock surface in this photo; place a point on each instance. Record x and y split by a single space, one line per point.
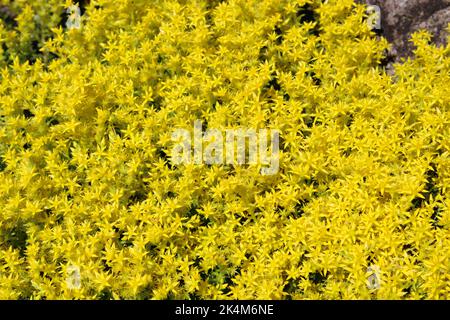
400 18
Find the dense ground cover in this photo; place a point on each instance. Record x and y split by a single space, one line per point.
92 207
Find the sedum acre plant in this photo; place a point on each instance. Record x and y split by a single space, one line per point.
92 207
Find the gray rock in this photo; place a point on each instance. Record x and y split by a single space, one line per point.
400 18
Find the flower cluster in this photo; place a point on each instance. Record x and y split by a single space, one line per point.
92 207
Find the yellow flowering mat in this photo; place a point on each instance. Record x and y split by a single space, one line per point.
93 207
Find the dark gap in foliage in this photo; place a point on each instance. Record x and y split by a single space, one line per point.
273 83
431 190
23 132
120 237
303 258
347 152
105 294
117 129
306 133
371 258
136 197
189 28
282 143
435 217
3 164
310 121
290 288
378 32
106 267
69 196
6 54
59 218
210 6
209 19
25 295
83 5
349 120
51 121
170 296
171 194
410 249
8 17
45 275
218 275
306 14
312 181
197 262
160 59
194 296
17 238
151 249
229 281
193 211
317 81
145 293
263 54
168 73
401 227
407 291
156 104
206 276
69 155
27 114
204 125
163 155
48 57
279 33
32 52
318 278
387 59
299 209
243 218
36 52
